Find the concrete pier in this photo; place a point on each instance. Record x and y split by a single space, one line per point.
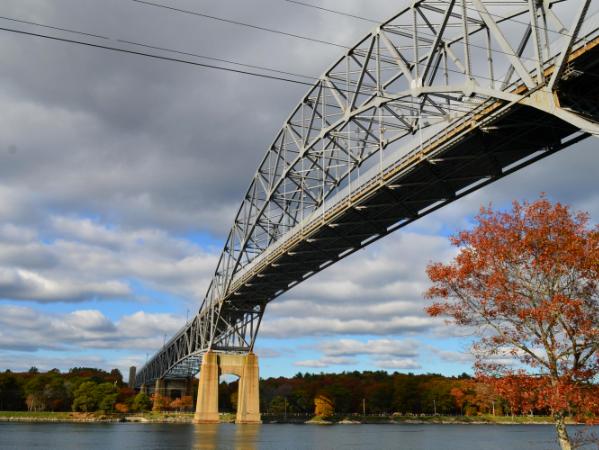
248 403
246 368
159 394
207 403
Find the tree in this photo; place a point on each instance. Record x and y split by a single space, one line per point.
11 393
85 399
182 403
278 405
528 281
141 402
106 395
323 406
34 390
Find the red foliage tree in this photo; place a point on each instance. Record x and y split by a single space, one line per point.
528 282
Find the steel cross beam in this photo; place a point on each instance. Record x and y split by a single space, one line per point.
439 100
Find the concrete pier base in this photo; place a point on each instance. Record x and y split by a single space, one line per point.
248 403
159 393
207 403
248 406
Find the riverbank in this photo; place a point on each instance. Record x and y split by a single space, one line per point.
174 417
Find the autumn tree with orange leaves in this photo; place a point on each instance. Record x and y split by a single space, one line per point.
528 282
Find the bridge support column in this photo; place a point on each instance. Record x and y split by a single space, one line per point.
159 392
207 404
248 400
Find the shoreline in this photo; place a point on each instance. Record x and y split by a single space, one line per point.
187 418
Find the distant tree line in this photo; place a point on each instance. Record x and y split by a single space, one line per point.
380 392
370 392
80 389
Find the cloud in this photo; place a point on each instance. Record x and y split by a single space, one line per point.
452 356
26 329
110 162
377 291
352 347
383 353
399 364
20 284
326 361
86 260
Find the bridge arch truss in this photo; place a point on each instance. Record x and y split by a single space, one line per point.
441 99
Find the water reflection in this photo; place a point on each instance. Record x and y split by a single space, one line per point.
212 436
246 437
206 436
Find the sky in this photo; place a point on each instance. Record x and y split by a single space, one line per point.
120 176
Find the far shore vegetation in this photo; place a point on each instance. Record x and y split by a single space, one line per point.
88 394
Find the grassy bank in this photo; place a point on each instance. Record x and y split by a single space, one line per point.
150 417
173 417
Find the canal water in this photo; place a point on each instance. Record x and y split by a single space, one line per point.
132 436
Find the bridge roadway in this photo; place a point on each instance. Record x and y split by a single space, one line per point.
498 133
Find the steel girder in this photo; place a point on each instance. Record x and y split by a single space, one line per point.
408 98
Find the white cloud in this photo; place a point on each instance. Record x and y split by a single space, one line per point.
352 347
326 361
18 284
87 260
454 357
378 291
26 329
383 353
399 364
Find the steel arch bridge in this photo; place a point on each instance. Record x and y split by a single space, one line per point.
441 99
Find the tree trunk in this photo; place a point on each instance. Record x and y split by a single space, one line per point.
562 432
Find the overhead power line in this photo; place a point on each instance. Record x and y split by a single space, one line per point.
211 58
68 30
195 13
243 24
185 61
164 49
150 55
339 13
177 60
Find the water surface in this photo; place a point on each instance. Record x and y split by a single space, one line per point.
135 436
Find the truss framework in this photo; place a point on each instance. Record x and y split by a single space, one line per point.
340 174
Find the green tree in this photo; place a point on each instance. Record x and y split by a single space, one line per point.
141 402
85 397
11 393
106 394
277 405
34 391
55 393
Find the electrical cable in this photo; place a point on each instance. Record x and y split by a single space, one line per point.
149 55
354 16
27 22
183 61
243 24
211 58
159 5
